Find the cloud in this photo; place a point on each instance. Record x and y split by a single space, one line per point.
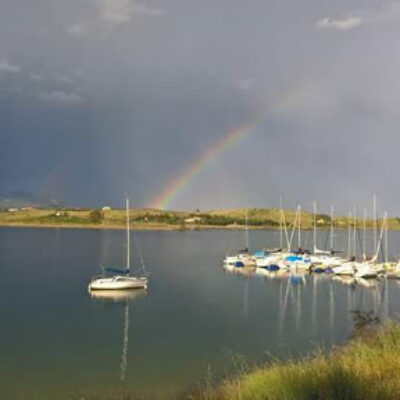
388 12
140 9
76 30
54 78
62 79
243 84
37 77
122 11
6 66
383 13
345 23
61 97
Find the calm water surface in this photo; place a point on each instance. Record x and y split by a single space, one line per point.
56 341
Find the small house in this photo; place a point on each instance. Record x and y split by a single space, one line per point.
192 220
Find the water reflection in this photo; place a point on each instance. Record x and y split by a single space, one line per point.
118 296
308 301
124 298
57 330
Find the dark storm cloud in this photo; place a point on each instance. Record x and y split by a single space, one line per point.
99 97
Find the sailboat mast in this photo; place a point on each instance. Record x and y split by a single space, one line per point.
299 231
349 234
374 216
280 223
378 248
315 224
332 216
355 233
365 235
386 241
128 241
247 229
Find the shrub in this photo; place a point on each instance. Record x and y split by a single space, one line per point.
96 216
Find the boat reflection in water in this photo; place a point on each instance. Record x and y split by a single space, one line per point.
122 297
118 296
306 302
246 270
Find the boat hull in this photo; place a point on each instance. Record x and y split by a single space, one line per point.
118 283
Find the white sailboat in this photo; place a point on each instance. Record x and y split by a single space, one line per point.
274 260
370 269
243 258
121 280
322 260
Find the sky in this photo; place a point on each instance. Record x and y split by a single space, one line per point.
105 98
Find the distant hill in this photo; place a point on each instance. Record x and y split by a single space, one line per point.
57 214
21 198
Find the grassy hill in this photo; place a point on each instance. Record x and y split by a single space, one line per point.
258 218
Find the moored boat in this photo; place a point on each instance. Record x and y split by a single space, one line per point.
120 279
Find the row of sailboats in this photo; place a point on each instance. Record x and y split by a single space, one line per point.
318 260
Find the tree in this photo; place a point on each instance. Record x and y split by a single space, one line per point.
96 216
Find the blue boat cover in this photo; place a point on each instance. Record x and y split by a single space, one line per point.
117 271
239 264
259 253
293 258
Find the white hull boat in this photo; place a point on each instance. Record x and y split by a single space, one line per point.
296 263
325 261
118 283
273 258
346 269
246 259
122 280
243 258
366 271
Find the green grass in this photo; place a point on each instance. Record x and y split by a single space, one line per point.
367 367
154 219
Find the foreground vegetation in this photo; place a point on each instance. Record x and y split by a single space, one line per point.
368 367
258 218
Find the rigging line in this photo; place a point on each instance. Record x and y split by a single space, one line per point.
306 241
381 250
104 255
285 230
139 253
295 222
326 240
360 242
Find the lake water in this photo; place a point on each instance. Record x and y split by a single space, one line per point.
56 341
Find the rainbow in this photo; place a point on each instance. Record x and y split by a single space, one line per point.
163 199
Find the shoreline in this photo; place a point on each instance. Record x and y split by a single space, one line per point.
371 355
162 228
166 228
